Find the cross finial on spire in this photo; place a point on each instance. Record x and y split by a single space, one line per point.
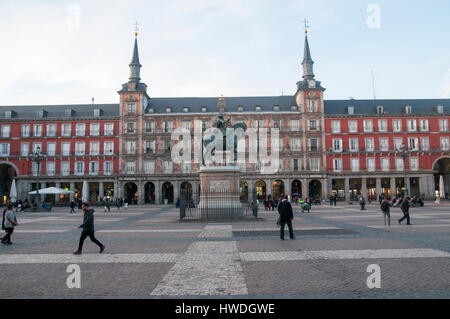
306 25
136 28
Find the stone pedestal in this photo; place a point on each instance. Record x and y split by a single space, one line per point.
220 195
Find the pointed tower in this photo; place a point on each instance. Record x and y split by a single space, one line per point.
134 101
307 62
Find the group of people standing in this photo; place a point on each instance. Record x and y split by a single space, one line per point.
386 205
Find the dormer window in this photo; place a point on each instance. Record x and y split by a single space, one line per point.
41 113
258 108
276 108
240 109
151 110
294 108
440 109
204 109
379 110
408 109
68 112
97 112
168 109
185 110
350 110
8 114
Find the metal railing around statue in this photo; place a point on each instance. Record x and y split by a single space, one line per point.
217 205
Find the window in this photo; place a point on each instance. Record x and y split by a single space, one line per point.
94 148
385 163
425 143
34 169
109 129
37 130
186 125
93 168
257 108
204 109
131 108
168 126
168 110
51 149
51 130
24 149
295 164
25 130
413 143
131 127
397 125
414 163
384 144
167 167
353 126
443 125
313 144
313 125
79 148
6 129
337 145
350 110
370 145
50 168
36 146
130 147
97 112
295 144
65 149
68 112
294 108
379 110
440 109
95 129
368 126
337 164
399 164
281 143
108 168
149 167
411 125
66 130
424 125
276 124
335 126
444 143
354 164
150 127
79 168
398 141
294 125
4 149
186 167
382 126
314 164
130 167
108 148
353 144
312 106
408 109
80 129
150 146
65 168
370 164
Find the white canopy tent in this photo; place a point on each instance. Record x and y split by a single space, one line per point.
51 190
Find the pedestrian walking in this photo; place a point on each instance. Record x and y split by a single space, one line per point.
405 210
286 217
88 229
386 209
72 207
9 224
107 207
125 204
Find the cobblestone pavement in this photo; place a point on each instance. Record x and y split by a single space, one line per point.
151 254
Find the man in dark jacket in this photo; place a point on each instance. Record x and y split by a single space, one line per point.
286 217
72 207
405 210
88 229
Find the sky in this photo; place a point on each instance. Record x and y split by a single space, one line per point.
66 52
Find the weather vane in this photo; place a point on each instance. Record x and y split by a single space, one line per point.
136 27
306 25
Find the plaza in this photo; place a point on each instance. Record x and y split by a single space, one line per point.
150 253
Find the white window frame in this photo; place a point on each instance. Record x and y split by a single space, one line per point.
105 166
424 143
66 129
77 149
335 127
92 151
369 146
4 149
354 164
37 130
51 152
92 129
397 125
337 142
65 152
382 125
350 144
368 128
353 126
6 131
384 144
80 129
337 164
26 132
411 125
399 164
385 168
106 148
108 129
24 149
424 125
78 165
443 125
50 169
65 168
444 143
371 167
414 163
50 132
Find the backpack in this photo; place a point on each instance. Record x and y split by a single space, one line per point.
385 206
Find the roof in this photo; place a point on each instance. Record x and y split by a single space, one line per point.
391 107
59 111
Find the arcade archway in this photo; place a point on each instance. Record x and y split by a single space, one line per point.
315 189
130 193
149 189
167 192
442 176
7 174
260 188
277 189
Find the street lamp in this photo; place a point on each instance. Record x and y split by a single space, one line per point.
37 157
404 153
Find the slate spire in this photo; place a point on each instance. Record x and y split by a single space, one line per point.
135 65
307 61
